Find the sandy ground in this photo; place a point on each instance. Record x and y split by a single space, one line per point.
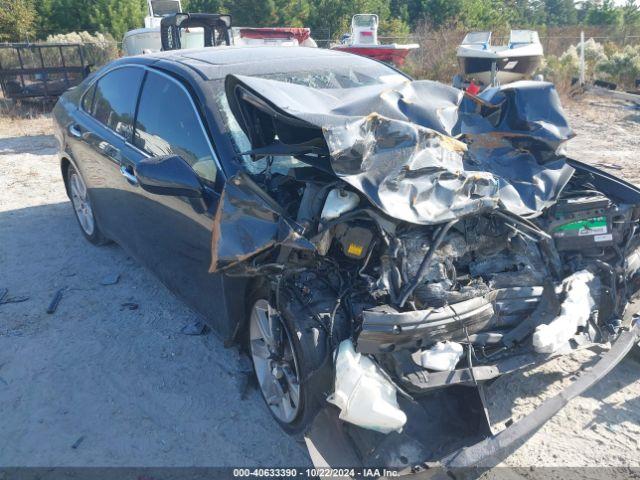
97 384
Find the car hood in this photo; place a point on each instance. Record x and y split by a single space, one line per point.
420 151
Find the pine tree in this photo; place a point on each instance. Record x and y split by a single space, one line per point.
117 16
560 12
63 16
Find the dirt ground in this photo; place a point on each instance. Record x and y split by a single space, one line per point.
96 383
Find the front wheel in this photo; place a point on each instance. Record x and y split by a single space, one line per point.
82 207
635 352
291 355
275 364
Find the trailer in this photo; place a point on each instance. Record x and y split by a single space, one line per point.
40 70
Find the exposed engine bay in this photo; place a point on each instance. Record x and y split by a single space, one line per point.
445 242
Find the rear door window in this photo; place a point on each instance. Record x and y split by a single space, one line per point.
168 124
114 103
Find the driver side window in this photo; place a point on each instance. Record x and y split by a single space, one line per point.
167 124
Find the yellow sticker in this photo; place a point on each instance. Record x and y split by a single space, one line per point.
354 249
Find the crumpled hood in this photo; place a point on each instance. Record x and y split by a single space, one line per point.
420 151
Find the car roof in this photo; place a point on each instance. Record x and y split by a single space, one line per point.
216 62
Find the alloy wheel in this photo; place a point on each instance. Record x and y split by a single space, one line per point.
274 362
81 203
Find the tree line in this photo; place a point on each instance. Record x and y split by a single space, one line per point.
22 20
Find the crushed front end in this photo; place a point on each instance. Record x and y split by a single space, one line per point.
430 246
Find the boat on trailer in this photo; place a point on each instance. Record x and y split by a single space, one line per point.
487 64
363 40
167 27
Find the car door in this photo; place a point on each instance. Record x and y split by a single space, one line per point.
173 233
100 137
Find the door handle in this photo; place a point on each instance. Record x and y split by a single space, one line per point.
127 172
75 131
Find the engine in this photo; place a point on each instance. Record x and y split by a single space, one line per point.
474 282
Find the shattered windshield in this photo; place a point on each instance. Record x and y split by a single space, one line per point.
279 164
339 77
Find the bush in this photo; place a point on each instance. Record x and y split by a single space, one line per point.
594 54
97 49
436 58
607 62
622 66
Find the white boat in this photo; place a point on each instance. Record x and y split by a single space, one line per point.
489 64
197 30
363 40
148 39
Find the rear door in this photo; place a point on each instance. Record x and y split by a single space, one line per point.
101 134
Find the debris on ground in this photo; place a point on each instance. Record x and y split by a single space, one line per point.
77 443
4 298
194 328
55 301
110 279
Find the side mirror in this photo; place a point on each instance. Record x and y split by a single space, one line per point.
168 175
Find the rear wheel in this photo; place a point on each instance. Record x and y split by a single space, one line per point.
82 207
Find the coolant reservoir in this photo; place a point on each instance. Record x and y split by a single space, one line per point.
363 395
442 357
338 201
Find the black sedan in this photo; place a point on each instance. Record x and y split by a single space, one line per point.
382 247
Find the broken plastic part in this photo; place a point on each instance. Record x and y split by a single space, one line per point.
442 357
339 201
575 311
364 396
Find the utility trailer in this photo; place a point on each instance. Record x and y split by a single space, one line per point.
40 70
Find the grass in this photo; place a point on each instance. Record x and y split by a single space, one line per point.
25 117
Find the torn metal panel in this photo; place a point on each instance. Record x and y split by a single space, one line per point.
395 144
248 222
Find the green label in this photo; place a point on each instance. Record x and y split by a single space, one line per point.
596 223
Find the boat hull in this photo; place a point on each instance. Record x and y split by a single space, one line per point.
510 69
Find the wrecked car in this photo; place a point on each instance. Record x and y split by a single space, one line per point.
380 246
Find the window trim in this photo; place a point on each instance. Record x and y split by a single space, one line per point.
148 69
94 86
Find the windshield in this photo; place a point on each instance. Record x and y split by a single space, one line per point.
365 20
477 38
523 36
165 7
337 77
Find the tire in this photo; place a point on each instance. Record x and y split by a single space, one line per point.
312 361
81 204
634 353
